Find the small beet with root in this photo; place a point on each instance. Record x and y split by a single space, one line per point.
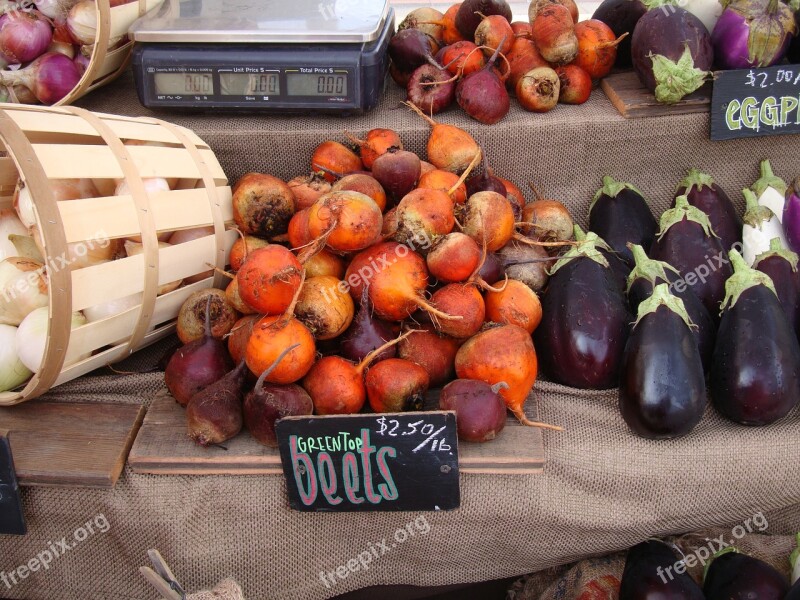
480 411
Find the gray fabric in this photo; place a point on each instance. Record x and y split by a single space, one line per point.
602 489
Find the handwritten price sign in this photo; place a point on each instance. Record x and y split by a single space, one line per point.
755 102
404 461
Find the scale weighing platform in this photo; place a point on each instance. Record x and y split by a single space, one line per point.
270 56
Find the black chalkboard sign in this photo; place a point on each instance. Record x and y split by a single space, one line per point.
379 462
12 521
755 102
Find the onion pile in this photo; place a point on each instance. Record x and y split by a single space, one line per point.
45 47
382 286
25 266
474 55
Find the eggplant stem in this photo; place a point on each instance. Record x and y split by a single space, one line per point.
522 418
260 382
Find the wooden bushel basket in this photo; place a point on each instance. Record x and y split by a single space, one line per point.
105 65
41 144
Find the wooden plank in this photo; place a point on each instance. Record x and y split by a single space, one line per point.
163 447
634 101
81 444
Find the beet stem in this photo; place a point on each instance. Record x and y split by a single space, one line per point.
365 362
260 382
522 418
466 172
418 110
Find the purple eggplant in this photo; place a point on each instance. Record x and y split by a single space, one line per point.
647 274
621 16
671 52
653 571
752 33
688 243
734 576
794 48
755 371
585 319
702 192
619 214
791 215
781 266
662 391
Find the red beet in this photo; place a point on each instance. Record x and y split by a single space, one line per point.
471 13
197 364
431 88
480 410
366 333
397 171
483 95
410 48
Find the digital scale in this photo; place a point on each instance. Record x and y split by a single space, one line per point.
269 56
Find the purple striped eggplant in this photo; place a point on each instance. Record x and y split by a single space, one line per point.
653 570
619 214
781 266
688 242
585 319
701 191
755 370
647 274
662 391
734 576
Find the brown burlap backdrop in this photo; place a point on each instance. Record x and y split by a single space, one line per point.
602 490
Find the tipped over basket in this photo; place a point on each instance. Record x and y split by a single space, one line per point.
41 147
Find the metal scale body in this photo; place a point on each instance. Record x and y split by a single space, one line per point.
300 56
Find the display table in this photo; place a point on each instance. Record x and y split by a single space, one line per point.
603 489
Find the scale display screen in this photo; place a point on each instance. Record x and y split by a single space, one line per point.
183 83
311 84
246 84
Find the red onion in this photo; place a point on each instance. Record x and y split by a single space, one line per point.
24 35
50 77
753 33
81 62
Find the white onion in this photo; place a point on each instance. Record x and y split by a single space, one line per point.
91 252
113 307
134 248
12 372
9 224
32 336
63 189
23 204
23 289
152 185
82 21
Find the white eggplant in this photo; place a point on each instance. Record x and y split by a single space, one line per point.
770 190
760 226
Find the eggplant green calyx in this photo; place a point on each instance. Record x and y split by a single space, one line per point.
586 247
722 552
794 5
695 178
768 179
793 559
756 214
674 80
743 279
647 268
684 210
661 296
651 4
612 188
776 249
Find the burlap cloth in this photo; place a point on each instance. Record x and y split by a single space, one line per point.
602 490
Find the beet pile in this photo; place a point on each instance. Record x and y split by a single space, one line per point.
367 283
473 55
